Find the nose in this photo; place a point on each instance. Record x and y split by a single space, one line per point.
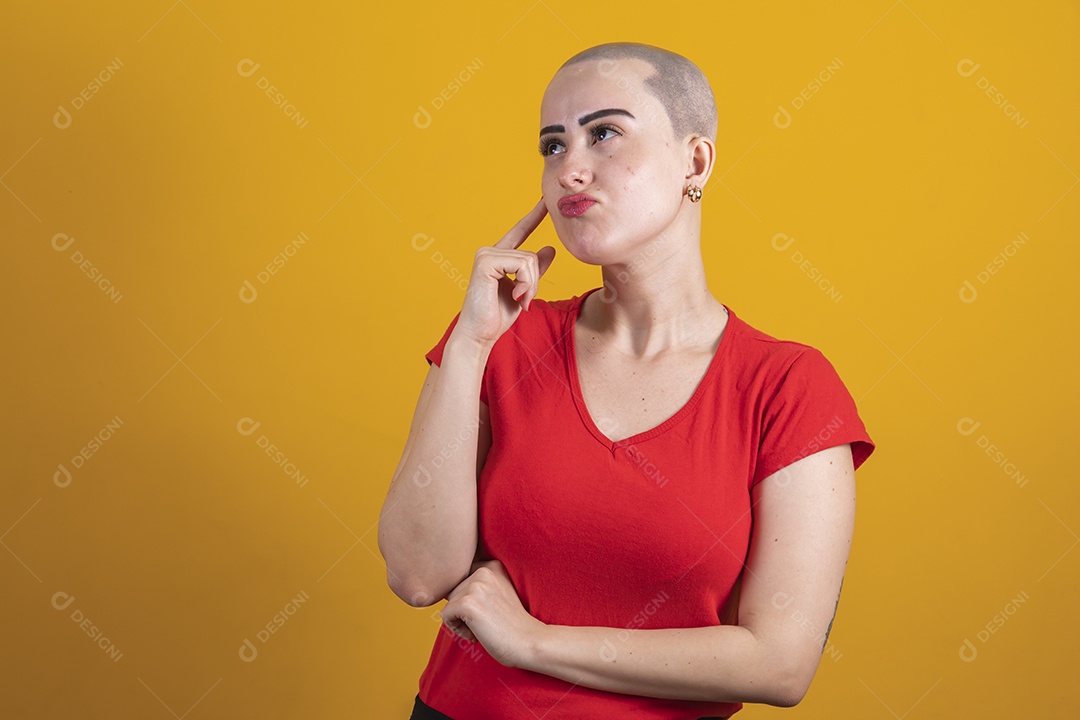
574 171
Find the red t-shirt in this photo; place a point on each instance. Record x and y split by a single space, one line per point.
648 532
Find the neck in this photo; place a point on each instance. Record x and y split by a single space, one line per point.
658 301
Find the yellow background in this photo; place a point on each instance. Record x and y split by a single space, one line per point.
180 180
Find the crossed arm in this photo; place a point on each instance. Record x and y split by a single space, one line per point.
804 519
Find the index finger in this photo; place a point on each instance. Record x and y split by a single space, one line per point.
524 227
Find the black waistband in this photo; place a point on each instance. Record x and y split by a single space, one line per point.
421 711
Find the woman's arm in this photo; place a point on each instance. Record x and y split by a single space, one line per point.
804 517
428 531
427 525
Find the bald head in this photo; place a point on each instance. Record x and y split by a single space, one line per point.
677 83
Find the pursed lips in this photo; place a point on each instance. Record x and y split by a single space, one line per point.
575 205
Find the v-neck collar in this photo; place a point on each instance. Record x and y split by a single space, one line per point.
579 398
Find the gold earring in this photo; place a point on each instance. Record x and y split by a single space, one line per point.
694 193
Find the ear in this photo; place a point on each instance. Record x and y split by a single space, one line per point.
700 157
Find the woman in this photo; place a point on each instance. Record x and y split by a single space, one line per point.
636 447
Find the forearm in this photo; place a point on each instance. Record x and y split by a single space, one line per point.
427 527
724 663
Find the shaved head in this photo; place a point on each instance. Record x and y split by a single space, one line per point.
677 83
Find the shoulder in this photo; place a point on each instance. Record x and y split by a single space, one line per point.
561 306
772 369
763 353
535 332
546 316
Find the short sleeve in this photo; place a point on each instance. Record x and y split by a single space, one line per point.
810 410
434 355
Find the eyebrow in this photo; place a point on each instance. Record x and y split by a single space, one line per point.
587 119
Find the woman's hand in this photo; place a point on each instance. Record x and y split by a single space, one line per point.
485 607
493 301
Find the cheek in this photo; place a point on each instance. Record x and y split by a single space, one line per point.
638 181
549 186
550 177
651 192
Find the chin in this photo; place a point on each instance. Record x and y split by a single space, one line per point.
597 256
591 250
594 247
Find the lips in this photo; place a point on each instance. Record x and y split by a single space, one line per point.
575 205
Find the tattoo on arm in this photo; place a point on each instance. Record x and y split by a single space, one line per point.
829 629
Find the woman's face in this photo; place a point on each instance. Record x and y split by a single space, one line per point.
604 137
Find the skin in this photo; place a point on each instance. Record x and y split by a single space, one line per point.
427 527
803 514
644 233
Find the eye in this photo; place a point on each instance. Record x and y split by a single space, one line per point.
604 130
549 146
